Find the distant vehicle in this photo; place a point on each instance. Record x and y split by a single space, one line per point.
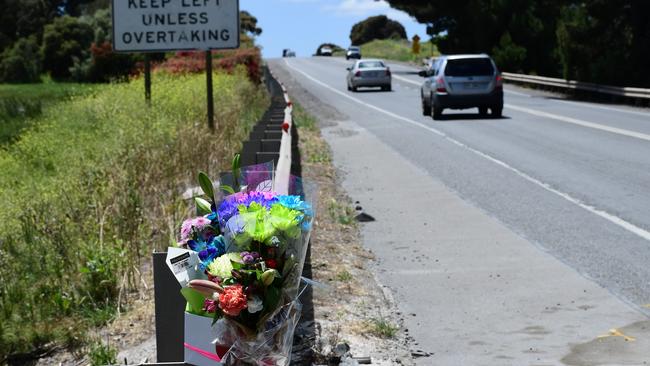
369 73
326 51
461 82
288 53
353 52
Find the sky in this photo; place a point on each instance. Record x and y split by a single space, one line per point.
302 25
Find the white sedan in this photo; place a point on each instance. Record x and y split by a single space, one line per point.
369 73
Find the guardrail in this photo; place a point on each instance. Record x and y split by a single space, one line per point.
272 139
638 94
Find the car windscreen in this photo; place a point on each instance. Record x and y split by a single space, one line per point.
469 67
353 49
369 64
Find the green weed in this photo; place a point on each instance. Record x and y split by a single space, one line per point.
382 327
344 276
102 355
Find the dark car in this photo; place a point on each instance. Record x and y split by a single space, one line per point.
461 82
353 52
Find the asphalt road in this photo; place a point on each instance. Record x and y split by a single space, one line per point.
570 178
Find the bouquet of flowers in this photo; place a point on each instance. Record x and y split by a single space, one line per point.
251 248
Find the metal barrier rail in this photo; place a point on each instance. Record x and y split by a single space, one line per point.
283 172
273 139
625 92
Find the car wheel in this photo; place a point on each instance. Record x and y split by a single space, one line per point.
426 109
389 87
354 88
483 111
437 112
349 88
497 112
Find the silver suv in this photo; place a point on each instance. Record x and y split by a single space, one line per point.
461 82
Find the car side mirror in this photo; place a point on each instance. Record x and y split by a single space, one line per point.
423 73
348 68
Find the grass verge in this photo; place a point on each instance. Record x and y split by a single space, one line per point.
21 104
399 50
93 188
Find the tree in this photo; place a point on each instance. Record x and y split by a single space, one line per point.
377 27
64 40
248 23
21 63
333 46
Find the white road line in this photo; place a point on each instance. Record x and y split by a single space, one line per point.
582 123
603 214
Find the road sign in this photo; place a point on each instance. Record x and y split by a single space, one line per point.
416 44
171 25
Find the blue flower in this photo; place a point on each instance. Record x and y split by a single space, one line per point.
214 249
197 245
295 203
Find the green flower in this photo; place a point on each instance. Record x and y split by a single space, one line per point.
285 219
222 266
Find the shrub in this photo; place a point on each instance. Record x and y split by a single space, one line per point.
184 62
377 27
21 63
64 40
509 56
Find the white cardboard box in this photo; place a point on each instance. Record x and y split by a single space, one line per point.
199 335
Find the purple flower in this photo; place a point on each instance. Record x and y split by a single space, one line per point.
196 224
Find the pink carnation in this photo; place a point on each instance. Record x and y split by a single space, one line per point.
197 223
232 300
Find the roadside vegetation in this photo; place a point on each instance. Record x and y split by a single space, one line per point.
92 188
597 41
20 104
398 50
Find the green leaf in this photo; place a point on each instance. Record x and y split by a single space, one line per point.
272 298
206 185
288 265
195 301
202 206
227 189
236 170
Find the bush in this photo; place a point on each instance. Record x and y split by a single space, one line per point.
21 63
377 27
335 48
508 55
184 62
64 40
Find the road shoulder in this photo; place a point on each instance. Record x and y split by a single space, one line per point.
473 291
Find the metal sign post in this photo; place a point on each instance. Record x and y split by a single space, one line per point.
174 25
208 78
147 78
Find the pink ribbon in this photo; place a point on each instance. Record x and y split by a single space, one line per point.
203 353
